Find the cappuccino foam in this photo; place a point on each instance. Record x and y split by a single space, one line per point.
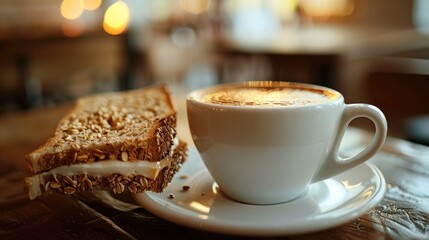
268 97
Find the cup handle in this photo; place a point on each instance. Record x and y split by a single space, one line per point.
334 164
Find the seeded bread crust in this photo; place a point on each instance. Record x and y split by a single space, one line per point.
116 183
133 125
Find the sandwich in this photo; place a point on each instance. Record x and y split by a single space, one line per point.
123 141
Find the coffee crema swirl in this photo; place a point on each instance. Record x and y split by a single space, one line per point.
269 96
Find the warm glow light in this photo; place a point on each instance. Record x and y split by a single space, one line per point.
284 8
368 193
200 207
203 217
195 6
73 28
116 18
350 186
71 9
327 8
91 4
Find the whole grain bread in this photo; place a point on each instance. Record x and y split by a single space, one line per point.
133 125
115 183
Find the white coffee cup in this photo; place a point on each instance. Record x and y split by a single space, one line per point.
271 153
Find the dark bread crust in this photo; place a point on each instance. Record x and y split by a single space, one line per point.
167 174
116 183
152 143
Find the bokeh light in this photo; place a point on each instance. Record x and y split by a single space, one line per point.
71 9
91 5
327 8
73 28
116 18
284 8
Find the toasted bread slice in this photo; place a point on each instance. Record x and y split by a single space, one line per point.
106 132
134 125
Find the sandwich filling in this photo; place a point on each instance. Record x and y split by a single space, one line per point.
107 167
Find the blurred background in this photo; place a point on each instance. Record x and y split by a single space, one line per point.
54 51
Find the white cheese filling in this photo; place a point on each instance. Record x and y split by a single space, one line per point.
107 167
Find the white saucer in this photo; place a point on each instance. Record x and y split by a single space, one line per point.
326 204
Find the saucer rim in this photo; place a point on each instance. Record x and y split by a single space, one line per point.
147 201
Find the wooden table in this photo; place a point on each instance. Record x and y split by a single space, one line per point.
402 214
